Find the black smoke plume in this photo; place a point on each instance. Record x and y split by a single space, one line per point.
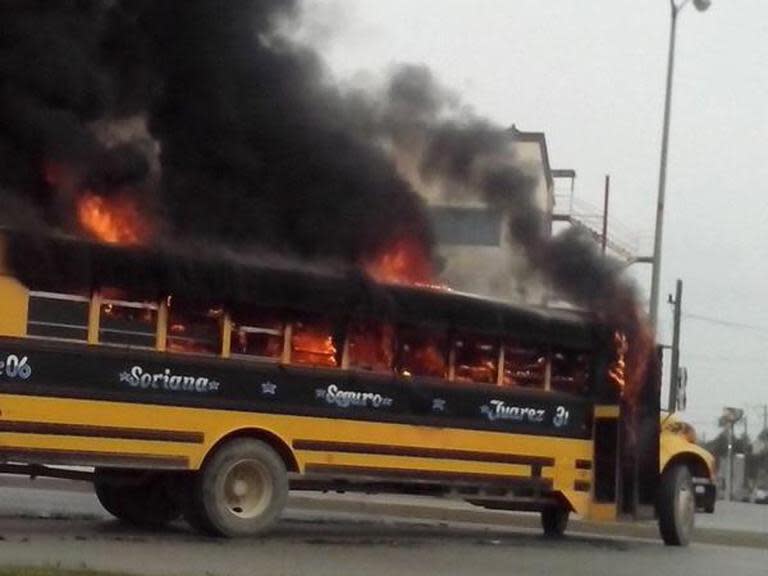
224 129
229 132
471 156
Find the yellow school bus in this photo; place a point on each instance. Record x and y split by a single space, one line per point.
207 386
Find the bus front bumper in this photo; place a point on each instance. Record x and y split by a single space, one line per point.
706 494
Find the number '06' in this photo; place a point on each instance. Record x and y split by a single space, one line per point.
16 367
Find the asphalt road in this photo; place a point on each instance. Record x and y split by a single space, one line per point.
68 528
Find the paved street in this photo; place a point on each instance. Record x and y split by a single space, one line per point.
68 528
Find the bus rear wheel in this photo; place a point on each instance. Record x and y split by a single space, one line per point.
554 521
676 506
240 491
139 498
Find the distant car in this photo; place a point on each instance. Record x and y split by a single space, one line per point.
760 496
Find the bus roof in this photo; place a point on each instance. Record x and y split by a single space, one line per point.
218 277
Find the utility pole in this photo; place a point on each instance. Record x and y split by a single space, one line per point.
729 419
605 211
676 7
729 477
675 365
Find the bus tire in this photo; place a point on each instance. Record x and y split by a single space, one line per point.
676 505
554 521
240 491
138 498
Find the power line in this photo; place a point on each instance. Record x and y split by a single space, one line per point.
726 323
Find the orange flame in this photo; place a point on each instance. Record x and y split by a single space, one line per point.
617 372
114 220
407 261
312 344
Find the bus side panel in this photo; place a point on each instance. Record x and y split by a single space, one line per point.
53 431
14 300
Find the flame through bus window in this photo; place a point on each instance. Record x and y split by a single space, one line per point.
370 345
312 343
524 365
570 371
422 352
194 328
476 359
257 334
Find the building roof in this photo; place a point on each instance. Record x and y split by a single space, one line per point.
541 140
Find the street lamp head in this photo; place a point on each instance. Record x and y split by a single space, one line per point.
702 5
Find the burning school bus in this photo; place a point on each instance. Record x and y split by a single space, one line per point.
206 387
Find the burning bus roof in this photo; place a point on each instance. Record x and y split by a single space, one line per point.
64 263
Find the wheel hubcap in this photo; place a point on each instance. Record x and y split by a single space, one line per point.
247 489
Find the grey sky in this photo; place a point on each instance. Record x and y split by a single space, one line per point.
590 74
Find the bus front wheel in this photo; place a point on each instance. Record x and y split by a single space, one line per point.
138 498
676 506
554 521
240 491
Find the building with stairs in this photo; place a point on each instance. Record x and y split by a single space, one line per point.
474 248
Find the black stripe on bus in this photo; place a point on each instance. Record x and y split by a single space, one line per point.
428 475
93 458
101 432
583 465
535 462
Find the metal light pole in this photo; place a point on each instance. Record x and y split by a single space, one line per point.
701 6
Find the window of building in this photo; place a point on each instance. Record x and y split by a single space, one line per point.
194 328
476 359
464 226
59 316
525 365
257 334
422 352
570 371
370 346
128 323
313 343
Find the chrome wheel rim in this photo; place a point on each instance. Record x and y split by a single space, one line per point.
247 488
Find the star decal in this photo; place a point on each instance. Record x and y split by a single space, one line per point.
268 388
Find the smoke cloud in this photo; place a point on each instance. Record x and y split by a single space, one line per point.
243 139
473 157
229 132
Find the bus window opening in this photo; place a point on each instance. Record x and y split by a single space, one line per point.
370 346
570 371
524 366
258 335
128 323
193 328
312 344
58 316
422 353
476 359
